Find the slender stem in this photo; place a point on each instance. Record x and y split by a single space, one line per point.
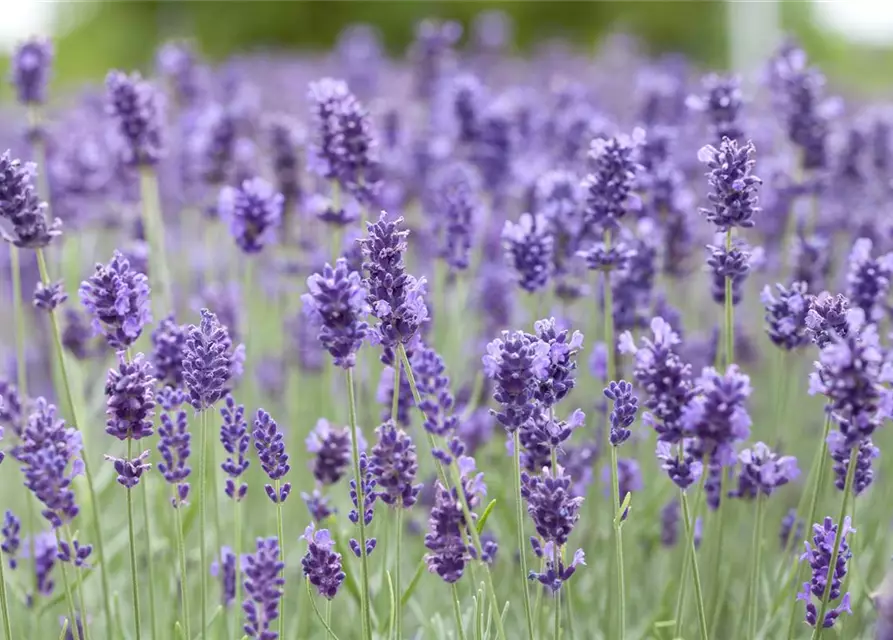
398 613
134 582
328 620
695 573
181 556
688 552
237 546
519 516
154 228
85 633
202 516
19 313
816 490
361 506
149 563
279 531
75 423
7 621
757 566
719 526
324 621
457 611
72 615
395 396
555 557
729 310
838 540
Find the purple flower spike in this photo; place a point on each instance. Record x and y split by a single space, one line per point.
317 505
397 298
516 362
168 345
819 557
253 213
51 459
394 466
268 442
609 188
173 445
12 528
130 471
48 297
447 552
117 297
337 305
135 107
76 553
263 588
718 417
30 71
225 568
207 362
551 506
434 388
368 508
235 440
733 188
683 469
130 399
626 406
868 279
553 576
332 448
456 190
322 565
721 102
734 264
23 219
763 471
529 251
562 354
786 315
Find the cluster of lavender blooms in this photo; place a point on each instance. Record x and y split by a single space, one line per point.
509 189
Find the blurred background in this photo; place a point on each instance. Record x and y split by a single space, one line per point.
852 40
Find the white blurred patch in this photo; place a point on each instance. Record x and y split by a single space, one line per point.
868 21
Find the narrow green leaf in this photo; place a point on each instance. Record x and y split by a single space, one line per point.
64 629
618 522
392 600
486 514
410 588
332 634
211 620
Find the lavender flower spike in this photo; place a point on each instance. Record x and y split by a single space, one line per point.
130 399
207 362
551 506
819 558
135 107
394 466
626 405
235 440
48 297
23 219
263 588
322 565
718 417
337 304
12 528
516 362
253 212
173 445
763 471
733 188
529 249
868 279
268 442
130 470
117 298
683 469
332 448
610 187
786 315
30 70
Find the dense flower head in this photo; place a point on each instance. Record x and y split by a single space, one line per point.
728 264
551 505
178 62
558 380
11 540
235 439
321 565
173 446
665 378
827 318
433 385
75 553
45 554
555 573
543 433
270 447
786 315
394 465
763 471
819 557
23 217
367 486
496 141
682 468
722 103
284 139
455 196
447 551
718 417
135 107
840 447
263 589
734 189
30 70
397 298
130 398
337 305
626 406
49 296
130 470
332 447
168 344
224 569
207 361
609 188
117 298
516 362
253 212
529 250
868 279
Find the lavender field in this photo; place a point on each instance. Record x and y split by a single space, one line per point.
457 345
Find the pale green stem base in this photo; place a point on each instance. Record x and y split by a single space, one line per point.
457 611
519 517
134 576
361 508
279 531
181 557
202 516
695 573
149 561
72 615
757 566
4 604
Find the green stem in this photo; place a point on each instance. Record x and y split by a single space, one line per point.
729 310
757 566
457 611
79 588
324 621
19 313
181 556
398 613
519 517
361 506
816 490
134 581
719 526
555 558
328 620
695 573
237 546
688 552
72 616
75 423
279 531
838 539
7 621
149 563
202 516
153 225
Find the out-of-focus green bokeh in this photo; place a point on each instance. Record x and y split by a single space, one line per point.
95 35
